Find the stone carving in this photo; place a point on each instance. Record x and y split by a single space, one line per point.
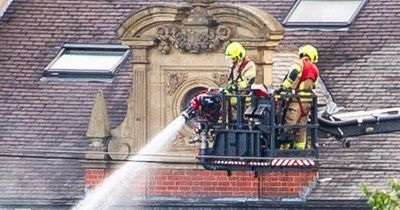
173 81
197 33
220 79
118 149
191 41
180 140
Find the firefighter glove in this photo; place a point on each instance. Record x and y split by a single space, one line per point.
232 88
280 90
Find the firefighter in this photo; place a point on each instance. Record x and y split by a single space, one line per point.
301 80
243 69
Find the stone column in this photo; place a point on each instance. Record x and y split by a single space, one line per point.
140 101
132 134
263 57
266 67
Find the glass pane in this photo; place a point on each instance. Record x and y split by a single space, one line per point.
87 60
324 11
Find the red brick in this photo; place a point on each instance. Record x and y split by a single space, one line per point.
222 184
183 182
245 184
273 189
287 179
208 183
184 188
197 189
221 189
233 189
209 188
294 174
298 189
160 188
174 188
196 177
275 184
222 178
248 189
167 183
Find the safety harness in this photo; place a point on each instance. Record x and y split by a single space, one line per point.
309 71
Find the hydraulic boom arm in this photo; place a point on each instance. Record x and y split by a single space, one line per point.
359 123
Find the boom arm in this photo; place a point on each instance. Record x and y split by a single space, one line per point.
359 123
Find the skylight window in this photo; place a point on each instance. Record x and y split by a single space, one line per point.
323 12
3 6
80 61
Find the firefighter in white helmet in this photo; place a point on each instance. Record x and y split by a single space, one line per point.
243 69
301 80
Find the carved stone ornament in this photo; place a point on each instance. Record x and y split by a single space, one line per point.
190 40
179 141
220 79
173 81
118 149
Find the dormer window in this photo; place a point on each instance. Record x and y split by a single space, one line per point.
323 13
87 61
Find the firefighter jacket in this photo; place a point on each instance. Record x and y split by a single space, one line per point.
243 73
301 78
241 77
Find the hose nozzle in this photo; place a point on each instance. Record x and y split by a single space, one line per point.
189 113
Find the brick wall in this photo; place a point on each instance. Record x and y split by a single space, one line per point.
94 176
202 183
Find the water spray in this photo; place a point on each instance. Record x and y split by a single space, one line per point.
111 191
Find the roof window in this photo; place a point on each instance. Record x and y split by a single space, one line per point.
87 61
3 6
331 13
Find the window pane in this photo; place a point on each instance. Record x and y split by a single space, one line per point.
324 11
88 60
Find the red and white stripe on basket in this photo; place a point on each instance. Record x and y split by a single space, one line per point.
292 162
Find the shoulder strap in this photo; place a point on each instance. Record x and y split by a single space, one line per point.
245 61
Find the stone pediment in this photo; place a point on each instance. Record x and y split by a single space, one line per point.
197 27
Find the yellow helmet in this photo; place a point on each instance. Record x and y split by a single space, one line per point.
310 51
235 50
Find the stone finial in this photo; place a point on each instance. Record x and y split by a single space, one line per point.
99 124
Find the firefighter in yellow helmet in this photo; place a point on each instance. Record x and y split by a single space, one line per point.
301 79
243 69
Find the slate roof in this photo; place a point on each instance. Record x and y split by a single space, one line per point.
360 66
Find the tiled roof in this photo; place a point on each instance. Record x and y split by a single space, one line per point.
360 66
51 115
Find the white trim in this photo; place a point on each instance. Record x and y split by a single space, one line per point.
3 9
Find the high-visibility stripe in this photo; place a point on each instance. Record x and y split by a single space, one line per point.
292 162
275 162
